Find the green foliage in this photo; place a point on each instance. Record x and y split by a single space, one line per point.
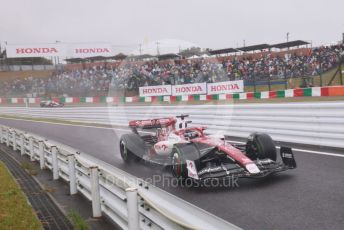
190 52
77 221
15 211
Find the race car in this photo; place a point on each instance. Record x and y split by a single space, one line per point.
191 153
50 103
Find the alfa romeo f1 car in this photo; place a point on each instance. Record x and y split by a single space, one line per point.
193 154
51 104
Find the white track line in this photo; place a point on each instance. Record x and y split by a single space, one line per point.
56 123
318 152
126 130
302 150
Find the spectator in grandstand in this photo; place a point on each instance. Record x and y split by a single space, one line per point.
131 75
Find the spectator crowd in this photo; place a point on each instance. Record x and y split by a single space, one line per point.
131 75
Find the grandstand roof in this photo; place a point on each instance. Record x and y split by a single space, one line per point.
119 56
223 51
96 58
74 60
168 56
254 47
290 44
191 53
143 56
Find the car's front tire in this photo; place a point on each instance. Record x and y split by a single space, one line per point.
260 146
181 153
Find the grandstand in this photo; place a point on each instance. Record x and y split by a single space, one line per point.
262 67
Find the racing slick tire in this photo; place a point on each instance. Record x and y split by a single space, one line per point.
260 146
181 153
131 147
126 155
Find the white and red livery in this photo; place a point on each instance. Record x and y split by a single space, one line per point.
192 153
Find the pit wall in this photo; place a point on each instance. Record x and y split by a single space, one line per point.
289 93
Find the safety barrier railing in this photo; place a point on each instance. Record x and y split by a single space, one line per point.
130 202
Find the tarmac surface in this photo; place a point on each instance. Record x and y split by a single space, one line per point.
309 197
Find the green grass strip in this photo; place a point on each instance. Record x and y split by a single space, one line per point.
15 212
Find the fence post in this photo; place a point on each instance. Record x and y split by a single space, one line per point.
269 82
133 209
340 74
254 83
54 163
32 158
8 137
41 154
285 79
22 144
72 176
96 209
1 135
14 140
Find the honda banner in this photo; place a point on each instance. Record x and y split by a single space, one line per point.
61 50
189 89
37 50
226 87
159 90
90 50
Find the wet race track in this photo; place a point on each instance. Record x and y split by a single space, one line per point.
309 197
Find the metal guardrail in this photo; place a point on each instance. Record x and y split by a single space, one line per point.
130 202
315 123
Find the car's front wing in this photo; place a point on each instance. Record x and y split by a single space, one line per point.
265 166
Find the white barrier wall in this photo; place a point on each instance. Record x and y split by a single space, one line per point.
318 123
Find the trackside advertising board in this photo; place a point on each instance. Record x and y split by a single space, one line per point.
36 50
60 50
90 50
159 90
226 87
189 89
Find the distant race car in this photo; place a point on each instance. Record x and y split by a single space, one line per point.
49 103
193 154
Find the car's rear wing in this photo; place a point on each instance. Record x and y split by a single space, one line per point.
153 123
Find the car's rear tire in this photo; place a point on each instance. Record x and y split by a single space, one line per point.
126 155
261 146
181 153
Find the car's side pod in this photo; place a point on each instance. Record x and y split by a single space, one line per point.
288 157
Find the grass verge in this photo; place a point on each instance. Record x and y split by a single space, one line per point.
29 168
15 211
77 221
